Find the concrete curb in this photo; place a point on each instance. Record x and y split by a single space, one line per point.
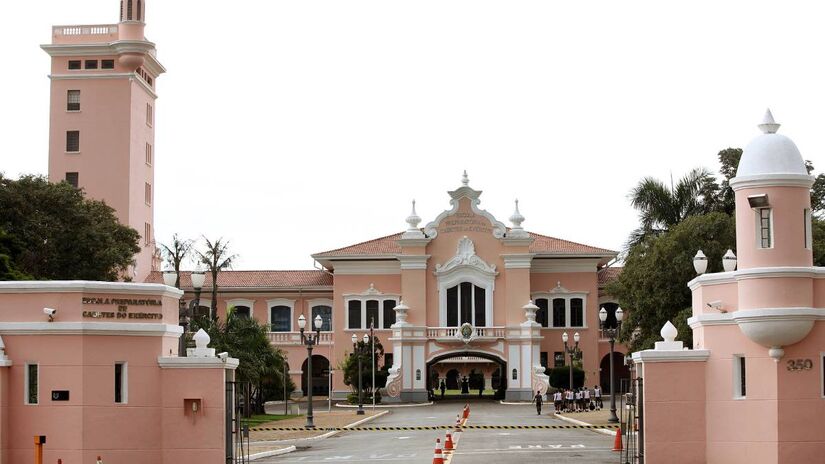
306 441
377 406
267 454
512 403
612 433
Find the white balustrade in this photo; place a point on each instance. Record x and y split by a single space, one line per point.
294 338
450 332
97 29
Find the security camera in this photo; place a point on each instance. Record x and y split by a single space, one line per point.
717 305
223 356
50 312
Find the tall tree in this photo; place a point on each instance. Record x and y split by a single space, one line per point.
216 258
175 253
8 248
61 235
349 366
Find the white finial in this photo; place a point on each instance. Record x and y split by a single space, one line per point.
530 313
201 339
413 219
768 126
517 217
2 346
465 181
669 332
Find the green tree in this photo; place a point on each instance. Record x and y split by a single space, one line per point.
653 283
216 258
261 364
729 162
8 248
349 366
175 253
61 235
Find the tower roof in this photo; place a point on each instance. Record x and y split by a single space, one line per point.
771 153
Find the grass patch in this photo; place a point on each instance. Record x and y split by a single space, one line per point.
259 419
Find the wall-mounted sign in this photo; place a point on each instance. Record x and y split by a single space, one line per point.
60 395
800 364
122 310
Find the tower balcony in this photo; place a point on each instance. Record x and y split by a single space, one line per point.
453 334
94 33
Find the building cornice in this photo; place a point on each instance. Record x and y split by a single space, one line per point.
413 262
518 260
368 267
91 328
720 278
197 363
86 286
548 266
772 180
84 76
660 356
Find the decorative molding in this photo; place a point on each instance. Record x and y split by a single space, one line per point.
720 278
518 260
289 303
144 47
466 257
382 267
197 363
772 180
85 286
654 356
242 302
553 266
91 328
413 262
465 191
84 76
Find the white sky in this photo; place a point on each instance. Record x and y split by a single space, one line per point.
292 127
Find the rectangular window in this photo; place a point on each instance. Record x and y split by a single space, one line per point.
280 319
354 314
120 383
73 100
576 312
150 116
541 313
807 226
559 316
739 384
74 64
480 301
72 141
72 178
147 233
32 384
543 359
558 359
465 302
389 313
452 307
326 317
107 64
372 314
91 64
765 228
149 154
148 193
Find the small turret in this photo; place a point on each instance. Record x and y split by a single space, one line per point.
131 28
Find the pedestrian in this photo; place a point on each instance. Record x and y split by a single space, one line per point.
578 400
597 393
537 400
557 401
481 389
586 399
443 388
570 398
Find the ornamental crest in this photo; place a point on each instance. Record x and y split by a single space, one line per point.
465 257
466 332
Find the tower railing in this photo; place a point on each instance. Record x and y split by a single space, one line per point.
80 33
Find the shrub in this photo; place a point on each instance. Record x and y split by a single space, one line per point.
560 377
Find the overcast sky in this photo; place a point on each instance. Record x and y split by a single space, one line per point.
293 127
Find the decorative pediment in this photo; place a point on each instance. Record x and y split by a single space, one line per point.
466 258
465 191
559 289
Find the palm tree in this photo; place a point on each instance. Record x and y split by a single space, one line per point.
176 253
216 258
661 208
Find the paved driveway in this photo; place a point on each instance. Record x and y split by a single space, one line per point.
491 446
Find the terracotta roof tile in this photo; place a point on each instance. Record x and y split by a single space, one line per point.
256 279
545 244
609 274
386 245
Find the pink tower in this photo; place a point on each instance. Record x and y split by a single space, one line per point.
102 114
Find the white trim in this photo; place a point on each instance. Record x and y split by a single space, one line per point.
26 384
651 356
376 267
281 302
242 302
563 294
86 286
822 374
414 262
771 180
130 76
363 298
719 278
498 228
518 260
124 382
196 363
552 266
138 329
320 302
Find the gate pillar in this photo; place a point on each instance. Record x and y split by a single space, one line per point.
408 374
525 373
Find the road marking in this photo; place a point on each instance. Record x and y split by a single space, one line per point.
505 434
402 438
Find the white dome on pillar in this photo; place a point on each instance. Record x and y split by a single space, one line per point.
771 154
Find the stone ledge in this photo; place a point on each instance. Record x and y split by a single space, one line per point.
651 356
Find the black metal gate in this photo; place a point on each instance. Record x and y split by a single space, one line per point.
633 424
237 432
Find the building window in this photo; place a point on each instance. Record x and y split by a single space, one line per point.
326 316
806 216
148 193
541 313
121 383
149 154
389 314
147 233
515 374
139 12
354 314
107 64
765 227
558 359
281 318
559 313
242 312
74 64
576 312
543 359
91 64
739 384
150 115
372 314
32 384
72 141
466 302
72 178
73 100
129 10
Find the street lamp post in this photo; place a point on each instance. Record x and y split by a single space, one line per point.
572 351
611 333
309 341
185 313
356 351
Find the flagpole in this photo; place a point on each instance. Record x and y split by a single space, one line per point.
372 336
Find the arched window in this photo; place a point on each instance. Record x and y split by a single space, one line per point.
389 313
280 317
559 313
372 314
466 302
354 314
129 10
326 316
541 314
139 10
242 312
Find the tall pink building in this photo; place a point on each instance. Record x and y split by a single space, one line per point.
102 115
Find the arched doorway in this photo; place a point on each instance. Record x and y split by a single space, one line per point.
620 369
320 376
465 373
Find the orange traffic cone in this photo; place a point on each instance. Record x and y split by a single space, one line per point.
448 443
466 411
457 423
617 444
438 457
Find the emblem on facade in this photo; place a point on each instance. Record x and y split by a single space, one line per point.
466 332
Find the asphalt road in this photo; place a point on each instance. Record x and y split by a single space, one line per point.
494 446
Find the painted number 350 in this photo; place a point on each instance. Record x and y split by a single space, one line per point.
800 364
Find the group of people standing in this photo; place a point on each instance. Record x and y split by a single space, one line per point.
573 400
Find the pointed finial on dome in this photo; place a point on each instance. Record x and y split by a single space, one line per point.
413 219
517 218
465 180
768 126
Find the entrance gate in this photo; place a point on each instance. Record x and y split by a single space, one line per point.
633 424
237 433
